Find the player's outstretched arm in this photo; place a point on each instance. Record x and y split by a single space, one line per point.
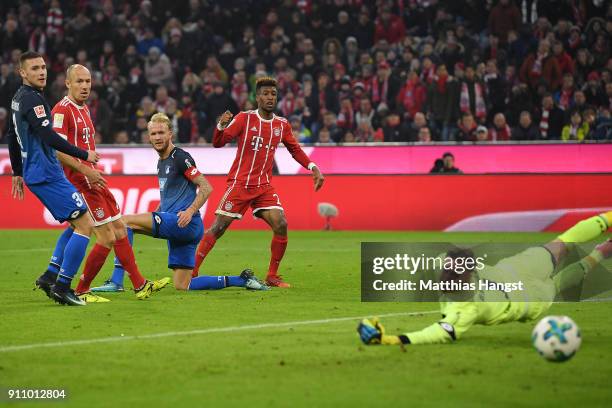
38 117
454 324
227 129
94 176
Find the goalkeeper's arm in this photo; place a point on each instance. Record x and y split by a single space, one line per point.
449 329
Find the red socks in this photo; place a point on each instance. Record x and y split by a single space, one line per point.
207 243
125 254
277 249
93 264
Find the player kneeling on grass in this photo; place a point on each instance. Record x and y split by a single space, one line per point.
534 266
184 190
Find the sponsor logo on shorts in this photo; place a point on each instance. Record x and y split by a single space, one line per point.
58 120
193 172
75 214
99 212
229 206
39 111
45 122
158 219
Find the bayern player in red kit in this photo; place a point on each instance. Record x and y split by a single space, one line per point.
72 121
257 133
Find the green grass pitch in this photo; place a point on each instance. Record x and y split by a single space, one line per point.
278 348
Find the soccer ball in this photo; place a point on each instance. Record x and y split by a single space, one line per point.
556 338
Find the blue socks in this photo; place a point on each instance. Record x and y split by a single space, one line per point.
58 253
73 256
215 282
119 272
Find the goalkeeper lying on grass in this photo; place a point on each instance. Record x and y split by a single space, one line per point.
534 266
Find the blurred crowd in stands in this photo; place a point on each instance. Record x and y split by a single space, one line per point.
349 71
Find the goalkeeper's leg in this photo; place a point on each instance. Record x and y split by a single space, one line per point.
584 231
573 274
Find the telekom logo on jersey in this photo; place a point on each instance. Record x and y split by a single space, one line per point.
132 202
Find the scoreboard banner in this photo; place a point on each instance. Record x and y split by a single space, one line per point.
473 159
525 202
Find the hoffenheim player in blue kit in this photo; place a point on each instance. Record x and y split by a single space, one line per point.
32 146
184 190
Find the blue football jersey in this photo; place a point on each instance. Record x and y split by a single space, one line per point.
174 173
30 111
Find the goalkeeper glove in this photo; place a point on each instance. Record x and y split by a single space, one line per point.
373 332
370 331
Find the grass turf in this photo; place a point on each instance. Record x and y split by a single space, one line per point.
321 364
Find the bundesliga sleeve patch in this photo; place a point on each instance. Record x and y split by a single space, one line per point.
191 173
39 111
58 120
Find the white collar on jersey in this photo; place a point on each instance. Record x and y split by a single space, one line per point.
262 119
74 104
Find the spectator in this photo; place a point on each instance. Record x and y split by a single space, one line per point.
563 97
467 126
121 137
364 132
365 114
565 61
442 102
541 66
550 119
394 130
158 70
424 135
472 97
576 129
525 130
579 103
505 16
496 89
329 123
419 122
389 27
449 164
384 86
301 132
411 97
325 138
149 41
500 130
595 95
482 134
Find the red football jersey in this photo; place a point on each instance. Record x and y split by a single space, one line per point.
257 140
73 123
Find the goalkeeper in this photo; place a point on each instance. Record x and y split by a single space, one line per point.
534 265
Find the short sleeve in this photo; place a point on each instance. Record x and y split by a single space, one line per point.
59 116
186 165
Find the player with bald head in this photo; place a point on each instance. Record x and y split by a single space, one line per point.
72 121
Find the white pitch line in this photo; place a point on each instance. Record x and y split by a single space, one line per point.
229 329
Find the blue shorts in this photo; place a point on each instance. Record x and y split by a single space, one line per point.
182 242
61 198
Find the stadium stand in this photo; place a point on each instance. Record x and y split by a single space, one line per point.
350 71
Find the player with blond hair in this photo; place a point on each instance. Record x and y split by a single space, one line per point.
183 191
